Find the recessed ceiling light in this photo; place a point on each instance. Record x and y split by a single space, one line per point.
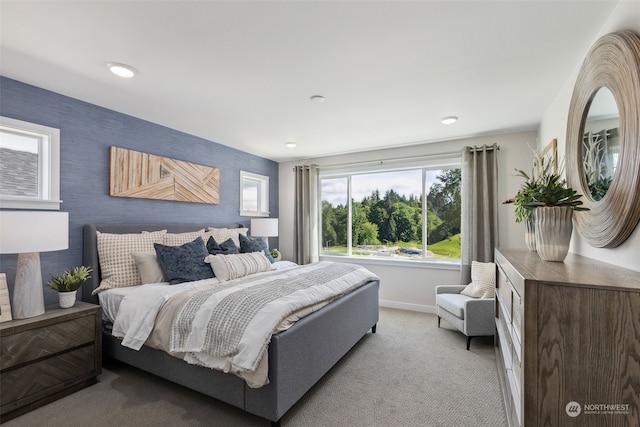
122 70
317 98
449 120
290 145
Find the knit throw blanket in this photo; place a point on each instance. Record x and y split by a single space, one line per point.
235 320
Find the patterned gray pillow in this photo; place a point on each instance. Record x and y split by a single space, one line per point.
248 245
228 247
184 263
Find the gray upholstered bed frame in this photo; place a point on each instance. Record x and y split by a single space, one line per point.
298 357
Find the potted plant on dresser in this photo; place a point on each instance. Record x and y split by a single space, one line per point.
546 204
67 284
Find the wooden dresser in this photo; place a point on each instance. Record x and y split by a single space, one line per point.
567 341
47 357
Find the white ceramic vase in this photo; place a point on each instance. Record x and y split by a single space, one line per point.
530 235
67 299
553 227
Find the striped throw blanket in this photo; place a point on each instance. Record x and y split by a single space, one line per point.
235 320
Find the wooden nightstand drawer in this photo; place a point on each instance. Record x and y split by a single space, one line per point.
48 376
48 357
34 344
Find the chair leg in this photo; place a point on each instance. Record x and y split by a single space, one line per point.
438 321
468 342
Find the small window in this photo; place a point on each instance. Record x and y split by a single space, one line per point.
29 165
254 194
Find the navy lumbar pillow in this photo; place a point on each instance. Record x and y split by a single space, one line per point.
184 263
248 245
228 247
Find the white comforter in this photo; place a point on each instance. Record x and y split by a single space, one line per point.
139 309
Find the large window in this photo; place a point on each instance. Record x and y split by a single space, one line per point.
409 214
29 165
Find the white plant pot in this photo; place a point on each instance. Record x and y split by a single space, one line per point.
67 299
530 235
553 228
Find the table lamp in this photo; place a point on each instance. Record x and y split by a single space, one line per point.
265 228
27 233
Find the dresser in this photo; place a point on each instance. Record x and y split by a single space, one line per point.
47 357
567 341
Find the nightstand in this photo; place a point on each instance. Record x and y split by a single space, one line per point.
47 357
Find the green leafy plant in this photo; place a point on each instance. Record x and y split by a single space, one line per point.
275 253
70 280
541 188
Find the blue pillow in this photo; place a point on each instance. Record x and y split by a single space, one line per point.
227 247
184 263
248 245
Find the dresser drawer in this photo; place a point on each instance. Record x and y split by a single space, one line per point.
505 293
516 366
516 315
34 344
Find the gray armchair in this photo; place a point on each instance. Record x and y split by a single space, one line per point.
474 317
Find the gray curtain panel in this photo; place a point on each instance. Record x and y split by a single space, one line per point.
479 199
305 225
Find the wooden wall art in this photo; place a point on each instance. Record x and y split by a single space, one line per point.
147 176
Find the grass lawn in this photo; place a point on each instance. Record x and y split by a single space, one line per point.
449 248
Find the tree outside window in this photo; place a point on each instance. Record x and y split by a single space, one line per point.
387 213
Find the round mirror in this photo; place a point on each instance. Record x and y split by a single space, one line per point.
603 156
600 144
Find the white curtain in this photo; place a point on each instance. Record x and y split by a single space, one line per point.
305 227
479 199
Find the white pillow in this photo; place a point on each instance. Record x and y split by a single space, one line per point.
483 280
228 267
148 267
117 266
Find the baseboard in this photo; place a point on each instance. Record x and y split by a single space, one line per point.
408 307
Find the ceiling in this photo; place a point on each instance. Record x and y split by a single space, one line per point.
241 73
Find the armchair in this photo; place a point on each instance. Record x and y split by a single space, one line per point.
472 316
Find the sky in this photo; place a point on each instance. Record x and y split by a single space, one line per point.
334 190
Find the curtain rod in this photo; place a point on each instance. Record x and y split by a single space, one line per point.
401 159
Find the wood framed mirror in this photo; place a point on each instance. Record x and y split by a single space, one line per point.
603 151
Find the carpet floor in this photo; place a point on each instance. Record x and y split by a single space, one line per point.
410 373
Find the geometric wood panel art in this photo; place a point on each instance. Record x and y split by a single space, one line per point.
147 176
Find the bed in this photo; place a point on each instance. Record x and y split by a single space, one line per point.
297 357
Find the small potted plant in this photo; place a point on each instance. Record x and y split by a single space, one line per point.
67 284
275 254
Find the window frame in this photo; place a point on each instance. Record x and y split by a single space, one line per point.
262 201
48 166
424 166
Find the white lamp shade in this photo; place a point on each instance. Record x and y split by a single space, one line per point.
264 227
31 231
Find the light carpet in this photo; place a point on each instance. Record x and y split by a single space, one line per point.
410 373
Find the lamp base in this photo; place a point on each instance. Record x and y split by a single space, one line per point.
28 295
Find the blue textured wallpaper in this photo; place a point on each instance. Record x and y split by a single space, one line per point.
86 133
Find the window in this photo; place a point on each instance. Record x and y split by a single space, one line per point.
29 165
254 194
383 214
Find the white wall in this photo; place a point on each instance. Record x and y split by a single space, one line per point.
413 287
626 16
